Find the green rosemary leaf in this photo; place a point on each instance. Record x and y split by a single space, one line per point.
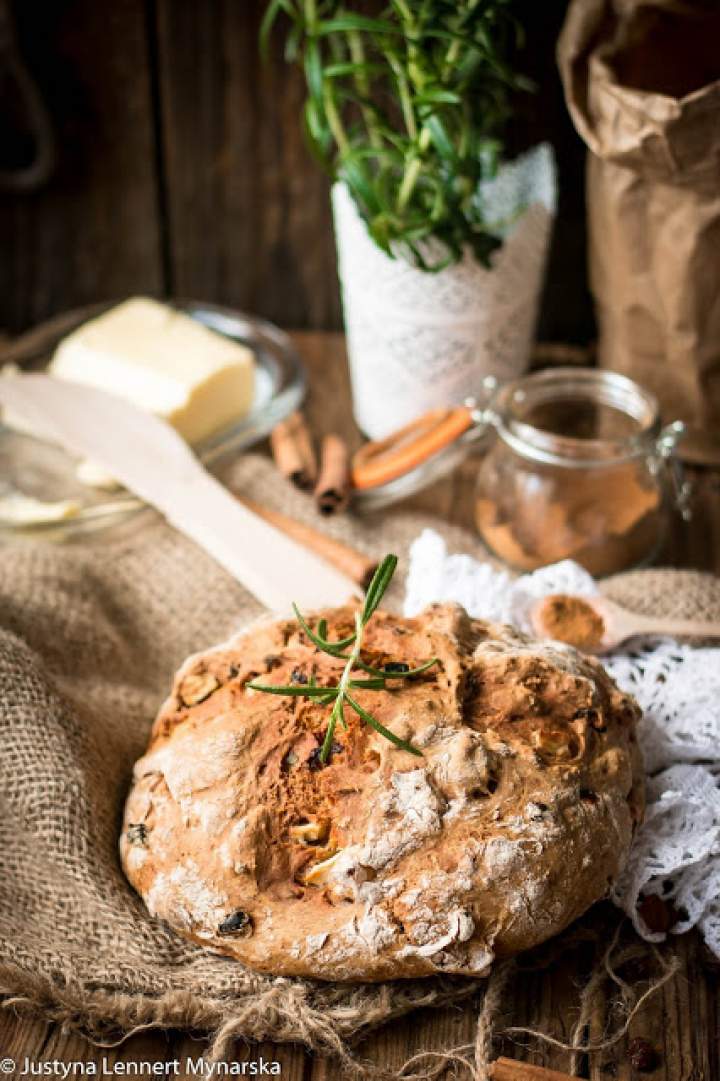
438 96
347 67
314 69
324 700
333 648
293 45
403 744
441 35
383 672
398 105
328 741
522 83
440 137
370 670
359 179
336 715
270 17
378 586
339 695
347 22
295 690
420 668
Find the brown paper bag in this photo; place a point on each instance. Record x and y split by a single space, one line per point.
642 82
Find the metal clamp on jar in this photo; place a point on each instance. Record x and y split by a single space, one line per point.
575 466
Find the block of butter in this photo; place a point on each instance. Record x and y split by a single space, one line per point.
164 362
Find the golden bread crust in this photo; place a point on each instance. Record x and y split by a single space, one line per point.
379 864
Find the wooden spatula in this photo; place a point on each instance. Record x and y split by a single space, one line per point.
148 456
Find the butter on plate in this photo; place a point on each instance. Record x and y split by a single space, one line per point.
164 362
18 509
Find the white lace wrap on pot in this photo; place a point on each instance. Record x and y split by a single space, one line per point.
418 340
676 852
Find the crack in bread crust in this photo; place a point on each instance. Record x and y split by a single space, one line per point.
381 864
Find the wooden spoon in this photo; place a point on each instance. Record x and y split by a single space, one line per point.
616 624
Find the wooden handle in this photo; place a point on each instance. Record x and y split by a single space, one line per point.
508 1069
683 628
354 564
622 623
382 461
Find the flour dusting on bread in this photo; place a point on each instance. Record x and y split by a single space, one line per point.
379 864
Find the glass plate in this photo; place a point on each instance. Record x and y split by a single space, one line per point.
47 472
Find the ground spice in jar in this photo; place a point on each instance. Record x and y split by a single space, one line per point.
605 519
573 471
572 620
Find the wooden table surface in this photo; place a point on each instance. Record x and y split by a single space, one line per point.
682 1021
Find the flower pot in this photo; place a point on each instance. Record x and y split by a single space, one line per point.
418 340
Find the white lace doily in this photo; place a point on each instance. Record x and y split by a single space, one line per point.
428 339
676 852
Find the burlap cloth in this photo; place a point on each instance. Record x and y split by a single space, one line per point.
90 635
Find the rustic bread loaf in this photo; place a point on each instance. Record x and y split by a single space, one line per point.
379 864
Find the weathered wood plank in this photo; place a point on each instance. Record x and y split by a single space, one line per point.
92 233
543 1000
566 311
239 211
248 211
680 1025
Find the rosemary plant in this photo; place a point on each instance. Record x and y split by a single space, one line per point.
406 108
340 695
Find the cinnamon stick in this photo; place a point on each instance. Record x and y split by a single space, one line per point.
508 1069
332 492
293 451
347 559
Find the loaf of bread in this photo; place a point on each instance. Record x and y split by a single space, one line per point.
380 864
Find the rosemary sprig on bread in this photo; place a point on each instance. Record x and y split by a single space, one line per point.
340 695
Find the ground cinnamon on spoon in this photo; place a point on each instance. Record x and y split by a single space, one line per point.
572 620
